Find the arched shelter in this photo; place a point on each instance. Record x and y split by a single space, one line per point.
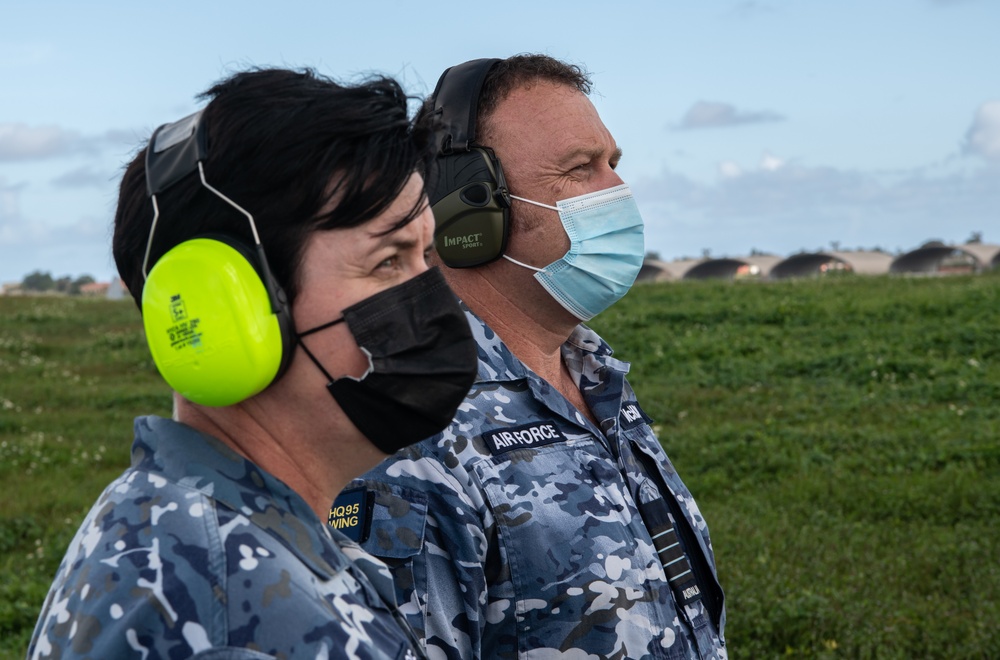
940 259
807 264
654 270
733 268
987 254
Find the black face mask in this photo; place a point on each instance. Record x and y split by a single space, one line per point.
423 360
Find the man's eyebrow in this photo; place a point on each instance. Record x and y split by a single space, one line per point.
591 153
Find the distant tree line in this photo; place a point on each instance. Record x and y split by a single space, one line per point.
44 282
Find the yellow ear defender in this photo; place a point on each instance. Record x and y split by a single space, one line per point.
216 321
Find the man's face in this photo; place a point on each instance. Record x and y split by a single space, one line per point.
341 267
552 145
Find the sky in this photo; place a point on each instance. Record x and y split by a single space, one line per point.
773 126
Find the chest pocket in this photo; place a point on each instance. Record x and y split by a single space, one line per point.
398 523
562 515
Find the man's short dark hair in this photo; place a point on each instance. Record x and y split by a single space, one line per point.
282 144
520 70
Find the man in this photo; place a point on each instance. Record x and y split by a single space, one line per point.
546 519
276 243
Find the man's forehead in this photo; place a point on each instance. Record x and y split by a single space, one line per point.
539 92
558 119
545 106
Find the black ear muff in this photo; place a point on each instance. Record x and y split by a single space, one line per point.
216 321
467 190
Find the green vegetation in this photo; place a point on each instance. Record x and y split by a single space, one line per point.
73 374
842 437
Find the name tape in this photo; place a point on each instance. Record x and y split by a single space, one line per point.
632 415
538 434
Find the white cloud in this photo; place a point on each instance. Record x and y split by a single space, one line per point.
729 170
713 114
983 136
781 202
792 207
771 163
81 247
22 142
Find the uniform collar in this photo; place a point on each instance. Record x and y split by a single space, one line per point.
498 363
587 356
178 453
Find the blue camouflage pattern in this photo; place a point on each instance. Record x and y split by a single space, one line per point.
531 544
196 552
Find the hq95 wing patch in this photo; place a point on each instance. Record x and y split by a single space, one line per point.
351 513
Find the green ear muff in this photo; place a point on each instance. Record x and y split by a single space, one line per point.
466 186
209 323
470 203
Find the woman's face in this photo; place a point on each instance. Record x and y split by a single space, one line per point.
341 267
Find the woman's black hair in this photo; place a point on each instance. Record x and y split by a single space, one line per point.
298 151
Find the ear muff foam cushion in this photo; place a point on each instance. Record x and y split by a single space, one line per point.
209 323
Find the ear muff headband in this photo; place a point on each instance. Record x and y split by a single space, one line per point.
216 321
467 190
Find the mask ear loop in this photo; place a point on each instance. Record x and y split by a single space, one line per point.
544 206
519 263
298 340
330 379
528 201
321 327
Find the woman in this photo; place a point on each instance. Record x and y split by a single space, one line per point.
276 243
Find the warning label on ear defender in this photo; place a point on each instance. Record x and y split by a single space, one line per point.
184 332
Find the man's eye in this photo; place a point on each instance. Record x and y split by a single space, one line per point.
388 263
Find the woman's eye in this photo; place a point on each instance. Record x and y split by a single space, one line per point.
388 263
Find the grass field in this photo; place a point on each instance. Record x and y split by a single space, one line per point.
842 437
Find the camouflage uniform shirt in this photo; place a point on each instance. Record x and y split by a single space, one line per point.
195 551
516 532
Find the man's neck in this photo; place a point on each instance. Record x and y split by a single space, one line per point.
534 334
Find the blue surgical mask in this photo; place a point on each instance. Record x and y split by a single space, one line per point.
605 251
